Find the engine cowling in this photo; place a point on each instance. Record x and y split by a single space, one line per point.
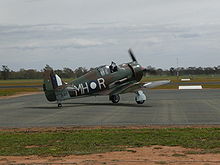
137 70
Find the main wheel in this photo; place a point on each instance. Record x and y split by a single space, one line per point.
140 102
140 97
114 98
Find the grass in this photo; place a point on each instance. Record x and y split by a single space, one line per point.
197 79
38 82
22 82
175 79
178 155
13 91
26 81
161 162
61 143
16 81
207 151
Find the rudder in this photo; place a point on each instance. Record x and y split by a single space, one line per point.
51 82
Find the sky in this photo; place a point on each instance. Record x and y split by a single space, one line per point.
89 33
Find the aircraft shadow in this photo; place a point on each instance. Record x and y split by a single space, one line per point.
68 105
108 104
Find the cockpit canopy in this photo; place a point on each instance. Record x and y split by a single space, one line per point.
104 70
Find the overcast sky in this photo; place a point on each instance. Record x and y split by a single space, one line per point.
89 33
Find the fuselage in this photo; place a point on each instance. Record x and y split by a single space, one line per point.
102 80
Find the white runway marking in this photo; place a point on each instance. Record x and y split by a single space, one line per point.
185 79
190 87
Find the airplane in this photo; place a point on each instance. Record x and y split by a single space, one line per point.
111 80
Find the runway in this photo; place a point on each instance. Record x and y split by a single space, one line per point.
163 107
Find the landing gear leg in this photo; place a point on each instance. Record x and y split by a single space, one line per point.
140 97
114 98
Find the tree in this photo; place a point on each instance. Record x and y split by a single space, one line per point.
80 71
159 71
5 72
150 70
30 74
68 73
172 71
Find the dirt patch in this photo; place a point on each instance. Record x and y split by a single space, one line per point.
153 155
20 94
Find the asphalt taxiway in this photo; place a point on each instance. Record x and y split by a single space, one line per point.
163 107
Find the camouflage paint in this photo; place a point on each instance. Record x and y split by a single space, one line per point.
96 82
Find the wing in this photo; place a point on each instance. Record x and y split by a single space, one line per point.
139 86
155 83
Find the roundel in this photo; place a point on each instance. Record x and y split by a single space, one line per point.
93 85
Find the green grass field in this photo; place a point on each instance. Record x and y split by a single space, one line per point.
13 91
195 78
23 82
68 142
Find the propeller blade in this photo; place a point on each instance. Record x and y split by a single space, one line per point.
132 55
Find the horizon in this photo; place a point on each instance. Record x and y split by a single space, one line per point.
164 69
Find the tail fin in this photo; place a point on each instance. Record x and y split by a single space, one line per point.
51 82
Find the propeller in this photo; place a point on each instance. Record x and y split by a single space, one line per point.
135 60
137 69
132 55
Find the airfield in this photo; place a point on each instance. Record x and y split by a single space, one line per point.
163 108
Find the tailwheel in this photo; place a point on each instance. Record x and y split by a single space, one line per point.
114 98
59 105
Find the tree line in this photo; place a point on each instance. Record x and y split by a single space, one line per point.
7 73
181 71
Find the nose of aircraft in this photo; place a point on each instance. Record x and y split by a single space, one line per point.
138 69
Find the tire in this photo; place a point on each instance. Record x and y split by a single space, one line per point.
59 105
114 98
140 102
